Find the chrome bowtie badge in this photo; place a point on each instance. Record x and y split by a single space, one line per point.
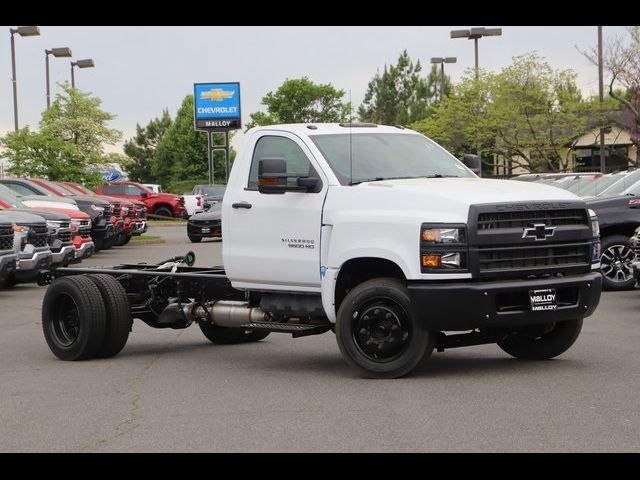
539 232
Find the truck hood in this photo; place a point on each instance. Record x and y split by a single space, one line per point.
442 199
21 218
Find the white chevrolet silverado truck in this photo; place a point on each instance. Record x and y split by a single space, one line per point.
375 233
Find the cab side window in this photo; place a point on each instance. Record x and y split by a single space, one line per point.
282 147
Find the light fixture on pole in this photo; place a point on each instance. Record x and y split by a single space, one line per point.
56 52
23 32
87 63
475 34
442 61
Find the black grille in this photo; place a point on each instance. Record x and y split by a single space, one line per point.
206 223
38 235
141 213
132 212
517 257
551 218
84 231
6 237
116 209
64 235
107 211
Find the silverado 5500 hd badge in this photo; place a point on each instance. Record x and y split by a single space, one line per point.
299 243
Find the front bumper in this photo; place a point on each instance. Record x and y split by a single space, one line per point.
29 266
63 257
85 250
140 228
7 266
210 231
501 304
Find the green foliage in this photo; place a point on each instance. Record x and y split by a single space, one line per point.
182 152
528 113
141 148
400 95
72 136
302 101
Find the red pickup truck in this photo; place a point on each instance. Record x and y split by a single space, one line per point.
161 204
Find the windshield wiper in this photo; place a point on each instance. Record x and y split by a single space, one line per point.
379 179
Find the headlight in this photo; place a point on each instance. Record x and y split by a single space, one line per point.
97 208
443 235
595 226
443 248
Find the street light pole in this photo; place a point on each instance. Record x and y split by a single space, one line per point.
442 61
56 52
23 32
601 93
87 63
475 34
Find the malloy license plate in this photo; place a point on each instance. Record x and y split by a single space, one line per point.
543 299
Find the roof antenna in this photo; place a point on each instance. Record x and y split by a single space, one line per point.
350 140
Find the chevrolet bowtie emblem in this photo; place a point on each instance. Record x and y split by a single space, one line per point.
216 94
539 232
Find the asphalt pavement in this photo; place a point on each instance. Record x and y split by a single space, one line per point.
171 390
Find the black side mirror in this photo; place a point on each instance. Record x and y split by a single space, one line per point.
273 176
473 163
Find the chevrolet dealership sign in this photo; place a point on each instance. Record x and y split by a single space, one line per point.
217 106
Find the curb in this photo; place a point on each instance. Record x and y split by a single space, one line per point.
147 242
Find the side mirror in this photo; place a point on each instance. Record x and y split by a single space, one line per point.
473 163
273 176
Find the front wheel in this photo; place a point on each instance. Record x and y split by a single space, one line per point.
377 332
541 342
194 239
163 212
616 263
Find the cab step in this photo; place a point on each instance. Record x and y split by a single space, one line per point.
295 329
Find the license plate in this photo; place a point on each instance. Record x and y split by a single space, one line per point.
206 230
543 299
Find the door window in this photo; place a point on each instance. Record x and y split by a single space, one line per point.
280 147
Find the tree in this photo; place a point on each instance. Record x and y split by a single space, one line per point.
302 101
400 95
182 152
621 61
529 114
71 140
142 148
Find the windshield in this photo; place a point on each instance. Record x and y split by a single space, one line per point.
622 184
8 196
63 189
595 187
213 191
381 156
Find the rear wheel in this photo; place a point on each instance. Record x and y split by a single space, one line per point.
377 332
74 318
119 320
542 342
616 263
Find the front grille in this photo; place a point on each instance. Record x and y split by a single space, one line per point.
116 209
38 235
84 231
551 218
141 213
6 237
64 235
107 211
132 212
518 257
206 223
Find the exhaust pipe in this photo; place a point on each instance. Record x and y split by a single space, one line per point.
229 313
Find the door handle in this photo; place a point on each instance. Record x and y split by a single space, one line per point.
242 205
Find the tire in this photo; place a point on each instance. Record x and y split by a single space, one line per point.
365 323
98 244
163 212
74 318
110 242
122 240
617 255
223 335
256 335
119 319
542 342
194 239
127 239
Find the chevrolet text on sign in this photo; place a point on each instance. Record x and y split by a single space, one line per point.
217 106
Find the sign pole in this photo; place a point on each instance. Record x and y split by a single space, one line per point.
210 145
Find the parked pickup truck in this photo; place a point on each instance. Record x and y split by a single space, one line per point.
375 233
8 256
31 245
161 204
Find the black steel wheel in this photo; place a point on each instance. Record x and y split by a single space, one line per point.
616 263
74 318
377 332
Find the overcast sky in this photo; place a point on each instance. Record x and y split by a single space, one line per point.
141 70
